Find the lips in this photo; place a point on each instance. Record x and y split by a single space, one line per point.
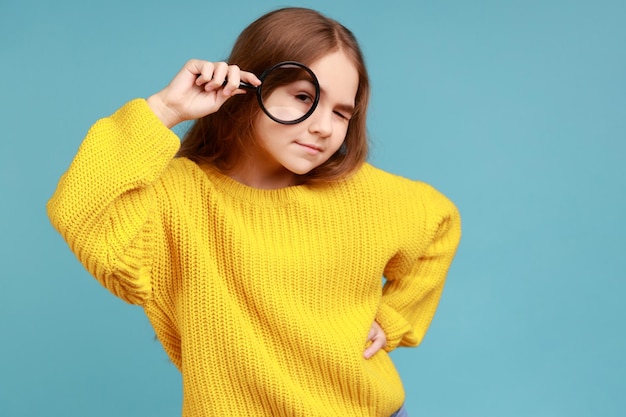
311 148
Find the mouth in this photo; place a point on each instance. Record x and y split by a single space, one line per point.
310 148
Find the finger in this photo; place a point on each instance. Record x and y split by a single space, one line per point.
378 343
188 74
250 78
220 71
201 70
246 78
232 80
378 340
205 72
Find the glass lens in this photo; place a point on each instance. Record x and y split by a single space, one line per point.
288 93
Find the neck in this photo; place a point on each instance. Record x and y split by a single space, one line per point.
263 182
255 173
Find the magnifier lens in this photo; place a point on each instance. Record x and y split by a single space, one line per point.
289 93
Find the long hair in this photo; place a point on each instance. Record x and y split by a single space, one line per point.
288 34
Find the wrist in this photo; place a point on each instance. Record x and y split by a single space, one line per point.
168 117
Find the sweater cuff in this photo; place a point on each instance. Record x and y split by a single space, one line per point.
393 324
150 142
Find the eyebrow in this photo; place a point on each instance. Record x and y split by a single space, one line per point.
347 107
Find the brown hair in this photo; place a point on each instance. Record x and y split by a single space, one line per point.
289 34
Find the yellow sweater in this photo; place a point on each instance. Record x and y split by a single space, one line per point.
262 298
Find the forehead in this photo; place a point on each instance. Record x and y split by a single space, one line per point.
338 77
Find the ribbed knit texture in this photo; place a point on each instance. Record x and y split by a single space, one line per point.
262 298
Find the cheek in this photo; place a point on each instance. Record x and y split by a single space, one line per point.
265 129
341 132
336 146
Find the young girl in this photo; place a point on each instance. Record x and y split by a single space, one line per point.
256 248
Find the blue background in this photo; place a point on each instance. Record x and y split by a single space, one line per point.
515 109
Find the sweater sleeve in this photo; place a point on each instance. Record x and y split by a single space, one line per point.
415 282
104 205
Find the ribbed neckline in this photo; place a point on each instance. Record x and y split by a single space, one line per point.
253 195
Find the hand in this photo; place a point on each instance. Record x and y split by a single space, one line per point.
378 338
198 90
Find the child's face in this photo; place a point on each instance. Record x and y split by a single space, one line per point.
297 149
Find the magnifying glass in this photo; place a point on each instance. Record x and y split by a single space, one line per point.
289 92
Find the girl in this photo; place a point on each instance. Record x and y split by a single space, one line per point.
256 249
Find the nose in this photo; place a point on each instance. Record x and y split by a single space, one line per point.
320 122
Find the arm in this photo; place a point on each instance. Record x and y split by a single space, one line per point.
415 283
105 204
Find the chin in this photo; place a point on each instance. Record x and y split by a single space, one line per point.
304 167
302 170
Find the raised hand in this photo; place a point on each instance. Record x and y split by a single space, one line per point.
200 88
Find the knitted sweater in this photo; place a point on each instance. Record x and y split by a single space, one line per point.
262 298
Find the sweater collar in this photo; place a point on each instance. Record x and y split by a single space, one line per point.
253 195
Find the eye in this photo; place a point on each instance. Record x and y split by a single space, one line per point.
342 115
304 97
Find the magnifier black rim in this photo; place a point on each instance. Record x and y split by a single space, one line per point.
316 100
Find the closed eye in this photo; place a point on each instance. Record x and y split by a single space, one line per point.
343 115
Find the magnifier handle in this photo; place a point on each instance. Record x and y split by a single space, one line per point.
242 84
